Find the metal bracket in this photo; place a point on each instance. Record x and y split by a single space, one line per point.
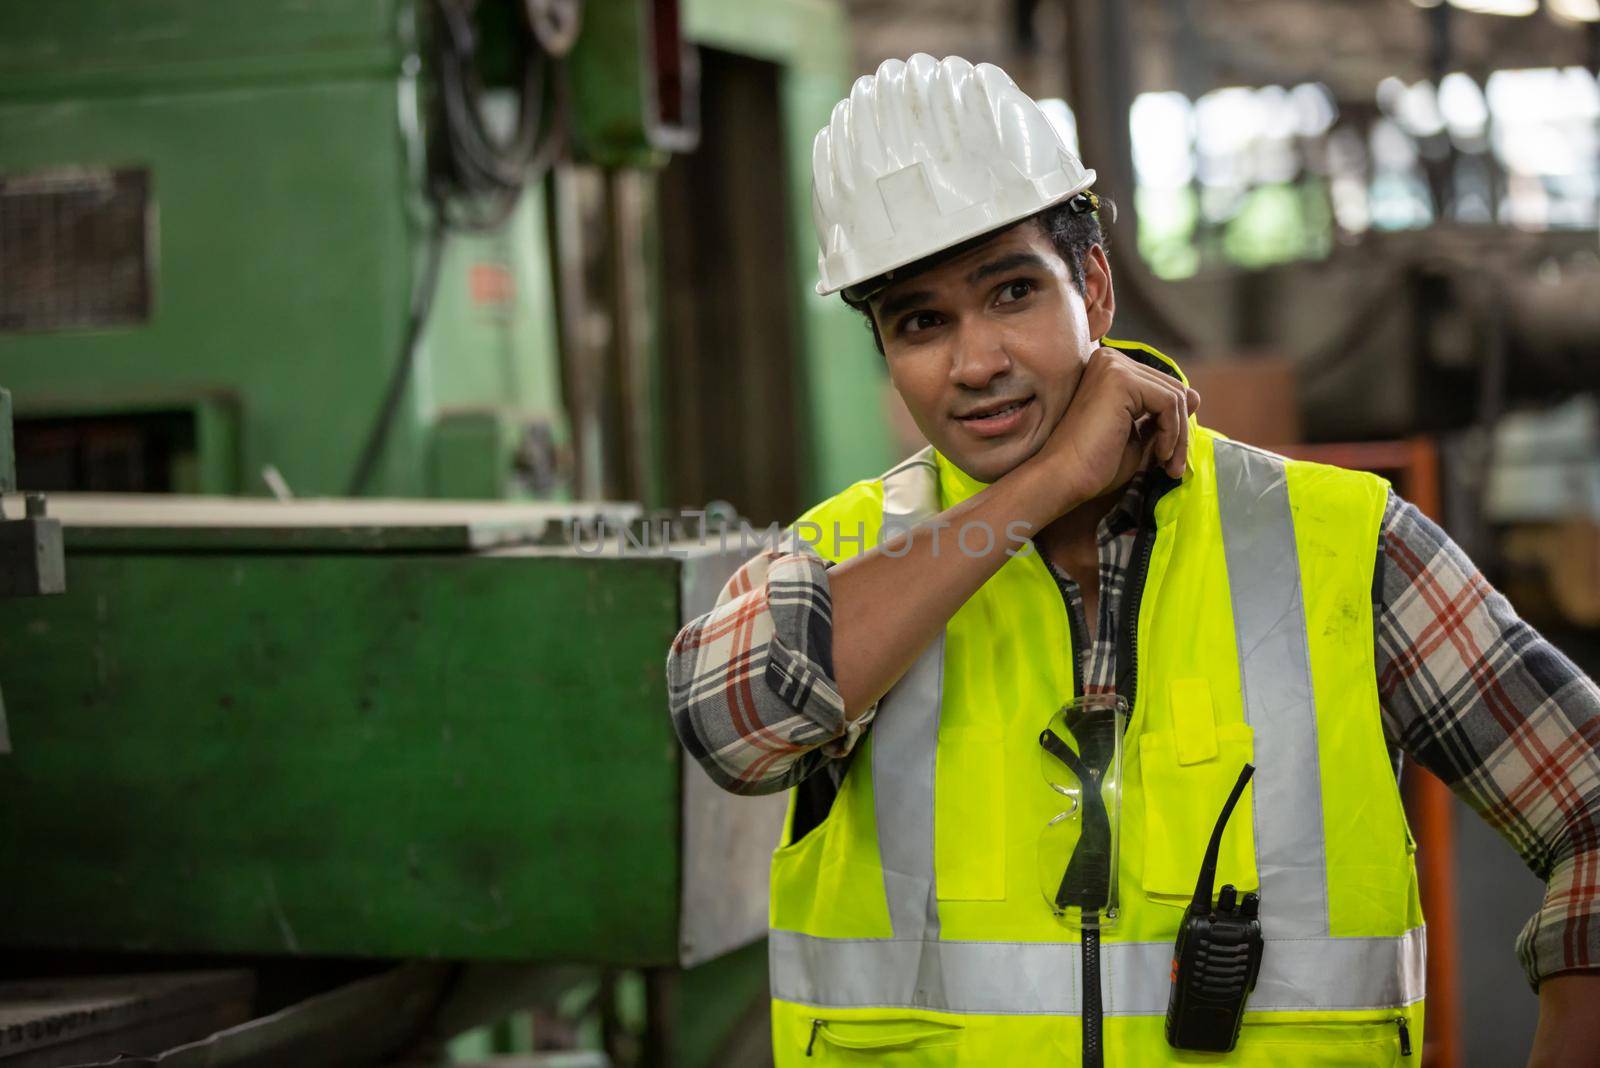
32 561
8 449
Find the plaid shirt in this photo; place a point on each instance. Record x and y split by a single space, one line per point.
1468 690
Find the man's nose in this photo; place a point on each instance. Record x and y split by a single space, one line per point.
980 357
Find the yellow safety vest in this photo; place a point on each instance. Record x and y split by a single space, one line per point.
908 927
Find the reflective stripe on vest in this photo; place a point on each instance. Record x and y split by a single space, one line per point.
1043 977
1308 970
906 738
1269 623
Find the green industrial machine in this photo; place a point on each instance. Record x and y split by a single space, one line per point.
383 731
245 249
224 249
216 230
355 730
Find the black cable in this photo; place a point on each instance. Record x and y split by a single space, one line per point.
475 183
480 181
421 305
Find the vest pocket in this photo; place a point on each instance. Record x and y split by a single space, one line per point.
896 1043
1359 1040
1184 788
969 819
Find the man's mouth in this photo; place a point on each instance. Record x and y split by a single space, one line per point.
994 411
996 417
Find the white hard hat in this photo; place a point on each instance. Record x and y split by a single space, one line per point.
923 155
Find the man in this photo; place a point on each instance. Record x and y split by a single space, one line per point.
972 880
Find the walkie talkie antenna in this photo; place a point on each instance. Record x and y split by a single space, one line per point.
1208 868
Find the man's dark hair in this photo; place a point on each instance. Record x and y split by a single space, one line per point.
1072 230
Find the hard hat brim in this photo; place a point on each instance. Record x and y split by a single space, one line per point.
887 270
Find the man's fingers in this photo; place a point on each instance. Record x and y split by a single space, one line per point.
1163 404
1180 455
1192 396
1191 404
1167 405
1163 398
1167 402
1171 402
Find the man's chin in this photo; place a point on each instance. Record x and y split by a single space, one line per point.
991 465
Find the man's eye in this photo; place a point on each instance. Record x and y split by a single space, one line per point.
918 321
1012 292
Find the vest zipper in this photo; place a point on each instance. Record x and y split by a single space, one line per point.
1128 676
816 1025
1080 640
1405 1036
1093 1053
1089 937
1133 594
1127 685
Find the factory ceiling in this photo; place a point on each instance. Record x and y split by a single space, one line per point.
1350 45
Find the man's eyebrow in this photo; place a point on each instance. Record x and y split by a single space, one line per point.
904 302
1006 263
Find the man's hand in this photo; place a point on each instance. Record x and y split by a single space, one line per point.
889 602
1569 1027
1122 413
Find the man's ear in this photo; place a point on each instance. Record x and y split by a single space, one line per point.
1099 298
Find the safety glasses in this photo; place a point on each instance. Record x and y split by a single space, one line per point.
1080 756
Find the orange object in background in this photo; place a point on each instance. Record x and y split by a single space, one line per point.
1413 467
1252 399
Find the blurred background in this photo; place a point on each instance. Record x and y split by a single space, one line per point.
341 343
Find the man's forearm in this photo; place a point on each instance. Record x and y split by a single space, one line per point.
1569 1021
890 602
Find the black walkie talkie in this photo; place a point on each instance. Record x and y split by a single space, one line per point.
1217 956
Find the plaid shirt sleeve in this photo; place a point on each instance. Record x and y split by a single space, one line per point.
1511 725
750 683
